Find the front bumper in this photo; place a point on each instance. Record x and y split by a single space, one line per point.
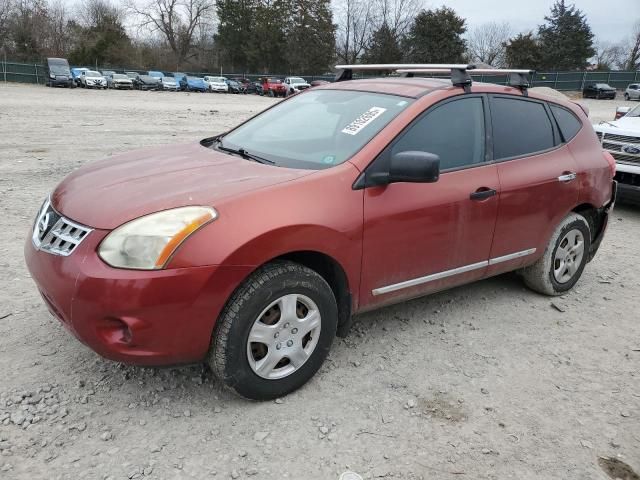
122 86
161 317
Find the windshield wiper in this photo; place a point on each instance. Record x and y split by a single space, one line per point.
243 153
609 123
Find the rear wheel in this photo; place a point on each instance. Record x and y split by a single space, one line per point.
564 259
626 96
275 331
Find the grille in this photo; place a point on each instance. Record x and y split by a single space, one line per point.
55 234
623 148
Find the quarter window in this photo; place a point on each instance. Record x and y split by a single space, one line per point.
567 122
454 131
520 127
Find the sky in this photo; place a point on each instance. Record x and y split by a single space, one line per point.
610 20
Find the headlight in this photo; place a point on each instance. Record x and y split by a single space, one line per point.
147 243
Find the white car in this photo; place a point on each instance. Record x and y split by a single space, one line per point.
295 85
632 92
92 79
621 138
216 84
169 83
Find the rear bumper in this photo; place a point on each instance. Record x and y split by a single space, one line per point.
603 216
162 317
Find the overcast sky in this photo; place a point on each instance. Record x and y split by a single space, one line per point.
610 20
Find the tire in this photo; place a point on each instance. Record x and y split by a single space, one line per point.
549 275
236 361
626 97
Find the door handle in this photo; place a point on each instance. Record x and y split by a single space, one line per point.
482 193
567 177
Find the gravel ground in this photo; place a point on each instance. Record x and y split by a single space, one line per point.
486 381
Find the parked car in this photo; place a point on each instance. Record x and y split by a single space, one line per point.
132 75
169 83
92 79
389 189
76 73
621 138
156 74
108 73
147 82
273 87
59 73
632 92
621 112
254 87
119 81
216 84
294 85
178 76
192 84
317 83
235 87
599 90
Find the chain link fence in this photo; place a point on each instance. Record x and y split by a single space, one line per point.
564 81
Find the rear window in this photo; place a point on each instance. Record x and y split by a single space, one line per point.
567 122
520 127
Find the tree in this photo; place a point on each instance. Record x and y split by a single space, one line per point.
566 39
523 51
176 20
436 37
101 37
486 43
607 56
235 19
632 60
355 20
310 36
383 47
6 7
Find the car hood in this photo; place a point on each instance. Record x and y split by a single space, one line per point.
110 192
624 126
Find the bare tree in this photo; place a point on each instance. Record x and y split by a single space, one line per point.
486 43
632 60
608 55
59 29
398 15
6 7
355 22
176 20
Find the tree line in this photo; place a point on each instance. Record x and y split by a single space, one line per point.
296 36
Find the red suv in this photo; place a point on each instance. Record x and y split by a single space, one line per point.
252 249
273 87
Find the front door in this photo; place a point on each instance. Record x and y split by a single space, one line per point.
423 237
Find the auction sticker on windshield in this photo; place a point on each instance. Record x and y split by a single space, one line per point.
363 120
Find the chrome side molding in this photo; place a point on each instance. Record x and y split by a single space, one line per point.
449 273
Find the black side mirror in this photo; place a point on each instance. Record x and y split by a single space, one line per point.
411 167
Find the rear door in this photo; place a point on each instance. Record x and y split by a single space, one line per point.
423 237
538 179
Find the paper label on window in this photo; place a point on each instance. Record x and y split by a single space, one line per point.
363 120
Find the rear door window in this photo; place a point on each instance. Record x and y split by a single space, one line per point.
567 122
520 127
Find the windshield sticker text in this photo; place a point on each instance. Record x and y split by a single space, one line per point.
363 120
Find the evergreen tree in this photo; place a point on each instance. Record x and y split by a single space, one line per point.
436 37
235 22
566 39
383 47
523 51
310 36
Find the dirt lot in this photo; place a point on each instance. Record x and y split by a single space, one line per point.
487 381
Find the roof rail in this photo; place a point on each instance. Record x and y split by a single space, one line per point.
460 73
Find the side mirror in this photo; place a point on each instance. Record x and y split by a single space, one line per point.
410 167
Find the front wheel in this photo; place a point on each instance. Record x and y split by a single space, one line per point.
564 259
275 331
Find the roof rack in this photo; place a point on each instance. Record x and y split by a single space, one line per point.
460 73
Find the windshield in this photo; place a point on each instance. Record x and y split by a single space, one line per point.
168 80
635 112
193 79
91 73
119 76
602 85
273 80
59 69
297 80
318 129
